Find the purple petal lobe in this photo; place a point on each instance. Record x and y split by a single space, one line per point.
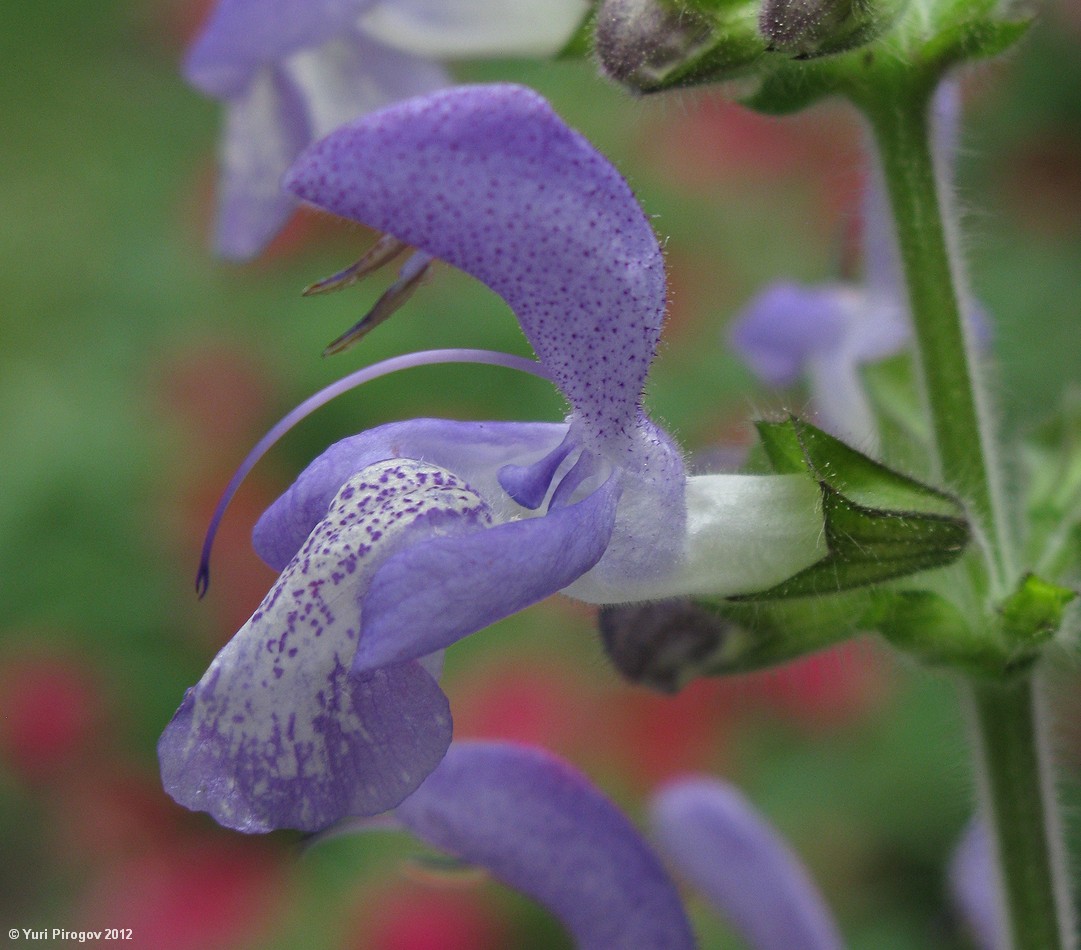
784 325
279 732
712 834
437 591
528 484
489 179
266 127
243 35
475 451
543 829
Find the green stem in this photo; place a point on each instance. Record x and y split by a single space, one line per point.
1014 772
962 436
1018 804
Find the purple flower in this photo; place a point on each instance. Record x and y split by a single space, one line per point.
826 333
539 826
397 542
290 71
716 839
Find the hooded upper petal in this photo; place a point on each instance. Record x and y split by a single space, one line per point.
539 826
713 835
489 179
279 732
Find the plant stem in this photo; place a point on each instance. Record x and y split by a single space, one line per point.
961 434
1012 762
1017 792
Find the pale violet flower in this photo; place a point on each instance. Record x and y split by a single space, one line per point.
825 333
290 71
539 826
717 840
397 542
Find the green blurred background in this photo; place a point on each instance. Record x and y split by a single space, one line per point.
136 371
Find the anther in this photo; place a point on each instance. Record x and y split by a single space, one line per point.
382 252
409 278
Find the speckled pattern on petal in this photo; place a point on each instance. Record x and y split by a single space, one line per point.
279 733
489 179
474 451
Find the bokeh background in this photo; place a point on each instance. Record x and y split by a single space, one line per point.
136 371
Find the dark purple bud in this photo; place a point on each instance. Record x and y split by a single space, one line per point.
663 644
639 42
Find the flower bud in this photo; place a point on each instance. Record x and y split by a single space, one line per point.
810 28
650 45
663 644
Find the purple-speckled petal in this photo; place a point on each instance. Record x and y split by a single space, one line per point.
712 834
974 888
491 180
474 451
279 732
542 828
266 127
785 324
241 36
435 592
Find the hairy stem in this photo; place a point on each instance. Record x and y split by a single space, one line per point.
1011 759
1018 802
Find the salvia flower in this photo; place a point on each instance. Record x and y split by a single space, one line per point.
541 827
826 333
397 542
718 841
290 71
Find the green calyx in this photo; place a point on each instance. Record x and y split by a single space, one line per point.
931 627
651 46
878 523
798 50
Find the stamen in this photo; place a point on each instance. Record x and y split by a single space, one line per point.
584 466
528 484
382 252
409 278
321 398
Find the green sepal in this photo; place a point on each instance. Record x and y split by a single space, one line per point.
912 54
1032 614
937 632
580 45
760 634
788 86
979 38
878 523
